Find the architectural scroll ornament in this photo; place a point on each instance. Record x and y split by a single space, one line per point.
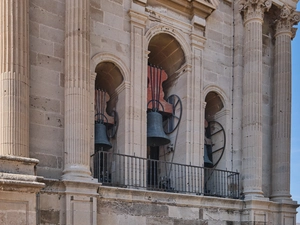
286 20
254 9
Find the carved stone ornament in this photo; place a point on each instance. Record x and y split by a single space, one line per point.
286 20
254 9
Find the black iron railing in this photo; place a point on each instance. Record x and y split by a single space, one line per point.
134 172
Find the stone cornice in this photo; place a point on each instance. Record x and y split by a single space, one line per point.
286 20
201 8
254 9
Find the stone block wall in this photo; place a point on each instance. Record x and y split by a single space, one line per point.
150 208
47 24
120 32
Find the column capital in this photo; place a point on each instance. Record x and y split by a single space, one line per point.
286 20
254 9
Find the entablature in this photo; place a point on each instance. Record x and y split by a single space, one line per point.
189 8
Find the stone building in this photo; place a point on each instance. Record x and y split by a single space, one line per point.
215 73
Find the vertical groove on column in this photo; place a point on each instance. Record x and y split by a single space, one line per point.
252 111
14 81
77 143
282 117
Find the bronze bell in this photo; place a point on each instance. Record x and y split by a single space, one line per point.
101 140
155 132
207 162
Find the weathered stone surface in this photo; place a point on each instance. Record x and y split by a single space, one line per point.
189 222
134 209
47 106
49 216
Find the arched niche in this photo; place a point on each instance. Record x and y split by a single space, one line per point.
215 130
109 78
214 104
166 52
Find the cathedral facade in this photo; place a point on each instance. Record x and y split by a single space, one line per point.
146 112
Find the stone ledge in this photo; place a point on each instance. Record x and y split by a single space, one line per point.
18 165
20 183
140 195
71 187
19 159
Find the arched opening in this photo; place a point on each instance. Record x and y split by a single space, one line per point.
108 79
166 52
215 138
166 57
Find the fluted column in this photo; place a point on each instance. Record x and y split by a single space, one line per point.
14 80
282 105
77 90
253 11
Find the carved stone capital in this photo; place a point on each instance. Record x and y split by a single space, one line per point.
286 20
254 9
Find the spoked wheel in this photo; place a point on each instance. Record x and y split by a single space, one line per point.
171 123
112 128
218 139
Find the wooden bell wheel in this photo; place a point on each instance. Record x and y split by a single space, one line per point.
113 128
217 135
171 122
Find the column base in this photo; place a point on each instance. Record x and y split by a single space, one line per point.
281 198
254 195
78 173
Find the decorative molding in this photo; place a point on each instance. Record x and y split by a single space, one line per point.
155 14
108 57
254 9
218 90
173 32
286 20
20 183
137 18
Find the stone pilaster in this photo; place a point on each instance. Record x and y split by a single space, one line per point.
196 104
282 105
253 11
138 87
77 90
14 80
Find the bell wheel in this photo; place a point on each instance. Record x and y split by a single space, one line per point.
112 128
217 135
171 123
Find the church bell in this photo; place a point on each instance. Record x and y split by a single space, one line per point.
207 162
155 133
101 137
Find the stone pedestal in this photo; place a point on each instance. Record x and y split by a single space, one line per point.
80 203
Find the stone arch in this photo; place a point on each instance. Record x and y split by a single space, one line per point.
215 100
111 75
108 57
163 30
